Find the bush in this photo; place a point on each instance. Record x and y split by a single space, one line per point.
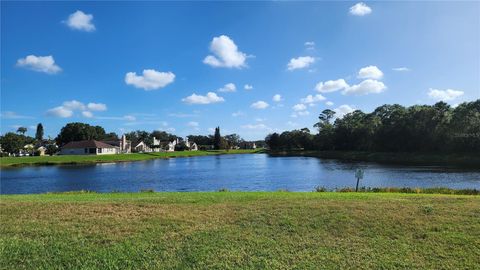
320 189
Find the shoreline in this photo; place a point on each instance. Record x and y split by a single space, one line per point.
437 159
14 162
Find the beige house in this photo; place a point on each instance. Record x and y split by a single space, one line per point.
89 147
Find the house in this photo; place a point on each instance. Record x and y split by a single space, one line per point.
41 151
171 145
124 145
88 147
191 145
141 147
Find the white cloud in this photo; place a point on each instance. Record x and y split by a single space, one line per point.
310 99
192 124
365 87
277 98
401 69
211 97
342 110
87 114
129 118
150 80
259 105
73 105
238 113
259 126
225 54
81 21
329 103
331 86
229 87
360 9
310 45
14 115
299 107
370 72
44 64
248 87
300 62
60 111
299 113
292 124
96 106
444 95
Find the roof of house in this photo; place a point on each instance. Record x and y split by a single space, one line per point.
87 144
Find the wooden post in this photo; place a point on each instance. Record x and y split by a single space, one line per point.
356 188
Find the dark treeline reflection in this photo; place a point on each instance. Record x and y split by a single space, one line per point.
436 128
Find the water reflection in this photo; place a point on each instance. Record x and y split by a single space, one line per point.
234 172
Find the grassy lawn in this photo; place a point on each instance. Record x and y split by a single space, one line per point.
240 230
72 159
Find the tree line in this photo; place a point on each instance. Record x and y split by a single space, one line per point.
390 128
15 142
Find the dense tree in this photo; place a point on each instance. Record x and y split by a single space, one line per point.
201 140
217 139
39 132
12 143
232 140
22 130
392 128
78 132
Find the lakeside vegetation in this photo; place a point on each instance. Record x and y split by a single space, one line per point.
87 159
248 230
417 129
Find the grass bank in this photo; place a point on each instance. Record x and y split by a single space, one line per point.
247 230
458 159
80 159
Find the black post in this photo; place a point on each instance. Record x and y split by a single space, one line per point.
356 188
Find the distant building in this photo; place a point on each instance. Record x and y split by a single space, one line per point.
124 145
89 147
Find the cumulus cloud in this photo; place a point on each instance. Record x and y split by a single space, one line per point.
60 111
248 87
150 80
444 95
259 105
68 108
365 87
342 110
81 21
370 72
210 98
129 118
87 114
401 69
329 103
299 113
310 99
277 98
331 86
300 62
299 107
44 64
73 105
96 106
225 54
360 9
229 87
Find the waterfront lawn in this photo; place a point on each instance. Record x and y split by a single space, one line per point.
239 230
80 159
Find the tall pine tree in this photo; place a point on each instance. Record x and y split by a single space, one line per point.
39 133
217 139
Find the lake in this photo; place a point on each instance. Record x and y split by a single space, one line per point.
246 172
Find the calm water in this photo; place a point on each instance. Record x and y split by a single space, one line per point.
234 172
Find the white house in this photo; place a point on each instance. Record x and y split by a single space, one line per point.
88 147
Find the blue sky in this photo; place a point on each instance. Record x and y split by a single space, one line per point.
183 67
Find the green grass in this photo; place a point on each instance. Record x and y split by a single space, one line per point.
418 158
239 230
80 159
